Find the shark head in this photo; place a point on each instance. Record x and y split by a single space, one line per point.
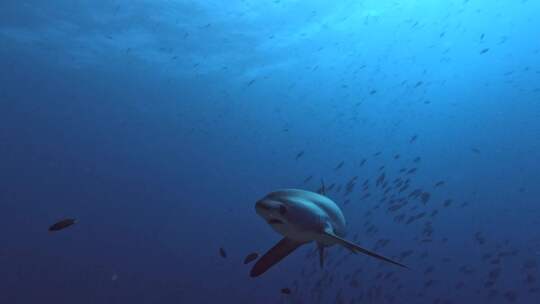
291 217
273 212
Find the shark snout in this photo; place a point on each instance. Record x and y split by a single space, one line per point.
265 206
272 211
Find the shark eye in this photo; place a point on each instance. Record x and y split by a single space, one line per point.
282 209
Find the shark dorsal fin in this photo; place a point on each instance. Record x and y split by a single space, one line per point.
322 189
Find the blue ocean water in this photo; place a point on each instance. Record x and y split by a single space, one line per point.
158 125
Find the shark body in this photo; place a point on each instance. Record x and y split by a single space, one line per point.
301 217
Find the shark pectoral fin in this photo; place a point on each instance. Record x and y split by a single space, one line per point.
355 249
321 254
274 255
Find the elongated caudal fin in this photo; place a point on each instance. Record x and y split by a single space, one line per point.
274 255
356 249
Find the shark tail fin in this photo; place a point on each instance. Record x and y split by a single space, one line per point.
357 249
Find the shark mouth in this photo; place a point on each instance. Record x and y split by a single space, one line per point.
274 221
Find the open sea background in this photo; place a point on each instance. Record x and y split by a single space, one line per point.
158 124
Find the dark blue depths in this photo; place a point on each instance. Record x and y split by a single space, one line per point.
158 124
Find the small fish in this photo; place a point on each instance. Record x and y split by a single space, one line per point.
339 165
484 51
250 258
425 196
286 291
222 253
439 184
447 203
475 150
413 139
411 171
300 154
372 92
307 179
63 224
